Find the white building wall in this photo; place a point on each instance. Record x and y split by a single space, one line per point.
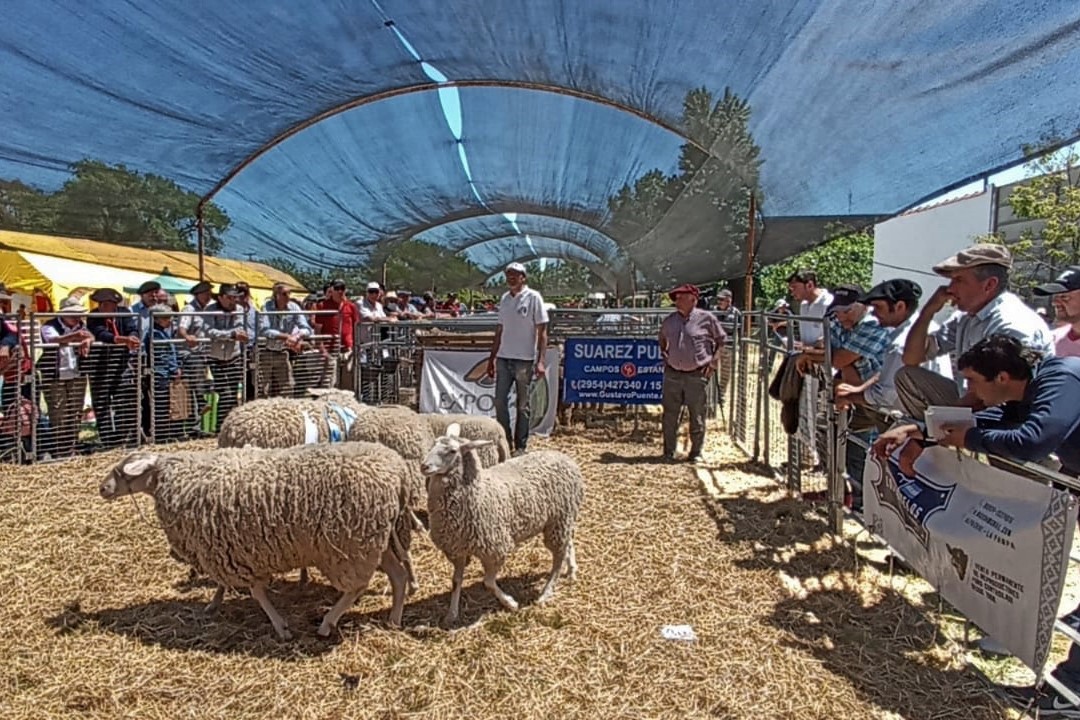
910 244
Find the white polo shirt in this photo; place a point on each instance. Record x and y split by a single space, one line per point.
518 316
811 332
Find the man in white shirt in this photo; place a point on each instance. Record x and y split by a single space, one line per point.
1064 294
517 353
895 304
813 302
978 287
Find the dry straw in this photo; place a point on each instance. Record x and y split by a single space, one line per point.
98 622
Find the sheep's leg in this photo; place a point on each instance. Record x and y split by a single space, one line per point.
571 561
303 577
334 614
491 569
215 603
410 575
258 591
455 592
558 559
398 575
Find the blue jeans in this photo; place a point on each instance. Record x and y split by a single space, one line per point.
520 374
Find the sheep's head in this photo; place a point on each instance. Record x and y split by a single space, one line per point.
446 455
129 476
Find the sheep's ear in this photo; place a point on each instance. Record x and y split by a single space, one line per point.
475 444
138 464
454 430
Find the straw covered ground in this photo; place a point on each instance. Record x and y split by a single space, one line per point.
98 622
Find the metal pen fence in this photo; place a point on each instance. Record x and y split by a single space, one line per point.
140 386
757 435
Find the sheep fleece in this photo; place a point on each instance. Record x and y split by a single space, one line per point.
279 422
403 431
475 427
240 515
506 505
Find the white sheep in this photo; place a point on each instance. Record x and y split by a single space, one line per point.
489 512
475 427
403 431
243 515
287 422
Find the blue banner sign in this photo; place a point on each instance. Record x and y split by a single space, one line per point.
615 371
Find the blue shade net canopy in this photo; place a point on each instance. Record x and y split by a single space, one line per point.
628 137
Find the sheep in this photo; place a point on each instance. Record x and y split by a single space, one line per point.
242 515
489 512
403 431
475 427
288 422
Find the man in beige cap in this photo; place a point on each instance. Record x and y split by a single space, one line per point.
978 288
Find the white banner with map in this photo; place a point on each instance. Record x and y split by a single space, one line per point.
995 545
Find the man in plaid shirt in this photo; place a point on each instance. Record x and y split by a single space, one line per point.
857 341
858 345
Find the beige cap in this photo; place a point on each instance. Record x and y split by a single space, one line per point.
974 256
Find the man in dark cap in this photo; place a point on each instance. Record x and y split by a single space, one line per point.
148 298
692 345
895 304
163 363
111 365
225 328
1064 294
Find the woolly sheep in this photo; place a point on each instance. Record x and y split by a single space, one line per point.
475 427
240 516
489 512
403 431
287 422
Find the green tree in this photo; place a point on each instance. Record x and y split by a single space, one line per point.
423 266
846 256
1052 195
710 194
114 204
25 208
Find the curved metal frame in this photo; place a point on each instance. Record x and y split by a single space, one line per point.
356 102
620 256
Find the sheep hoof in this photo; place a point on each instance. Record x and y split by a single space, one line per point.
449 620
285 634
509 603
325 630
414 587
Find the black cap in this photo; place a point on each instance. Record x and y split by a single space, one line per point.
201 287
106 295
337 284
228 289
1066 281
844 295
149 286
893 290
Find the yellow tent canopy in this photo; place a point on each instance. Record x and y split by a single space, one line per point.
58 267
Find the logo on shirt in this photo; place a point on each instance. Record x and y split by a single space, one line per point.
523 310
913 500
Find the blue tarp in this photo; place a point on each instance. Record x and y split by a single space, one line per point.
561 106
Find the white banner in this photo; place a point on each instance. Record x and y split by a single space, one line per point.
453 381
995 545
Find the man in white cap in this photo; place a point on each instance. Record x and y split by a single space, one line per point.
517 353
978 288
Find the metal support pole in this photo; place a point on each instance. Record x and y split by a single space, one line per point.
200 234
748 294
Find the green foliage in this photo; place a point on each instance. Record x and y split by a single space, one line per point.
714 184
847 256
1052 196
113 204
557 278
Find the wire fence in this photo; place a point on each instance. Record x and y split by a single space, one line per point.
96 381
